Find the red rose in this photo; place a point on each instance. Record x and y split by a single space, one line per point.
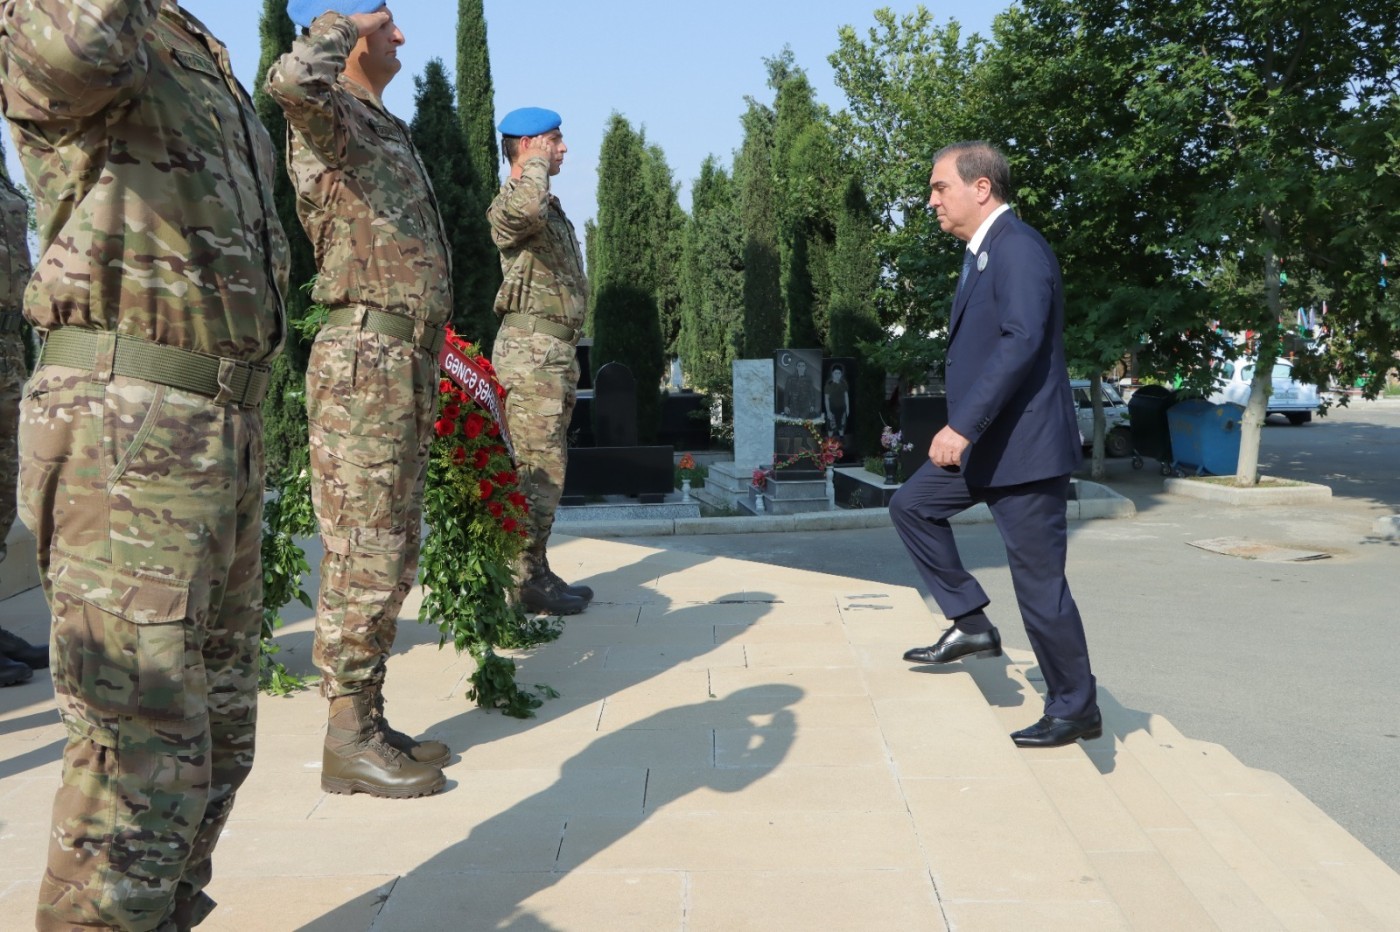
444 427
494 430
517 499
496 509
509 525
504 478
445 385
481 459
475 422
452 411
459 456
486 488
524 534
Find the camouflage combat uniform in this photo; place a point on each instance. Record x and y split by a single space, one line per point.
14 273
158 291
543 281
371 385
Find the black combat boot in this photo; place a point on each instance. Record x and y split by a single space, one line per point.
543 594
357 758
431 753
583 592
33 656
12 672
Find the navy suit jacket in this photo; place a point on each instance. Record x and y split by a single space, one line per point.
1007 382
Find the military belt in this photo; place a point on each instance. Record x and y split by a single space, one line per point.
539 325
389 325
227 381
10 323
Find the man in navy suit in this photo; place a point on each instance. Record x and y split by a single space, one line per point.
1011 441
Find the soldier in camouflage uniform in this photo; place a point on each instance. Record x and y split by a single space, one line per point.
542 303
159 295
18 660
371 384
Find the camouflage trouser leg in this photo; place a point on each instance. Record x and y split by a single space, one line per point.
542 375
11 386
147 506
371 401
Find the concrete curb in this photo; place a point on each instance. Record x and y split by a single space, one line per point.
1096 501
1266 493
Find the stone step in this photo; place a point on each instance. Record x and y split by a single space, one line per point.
1184 835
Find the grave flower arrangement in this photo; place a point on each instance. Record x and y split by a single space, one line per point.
475 510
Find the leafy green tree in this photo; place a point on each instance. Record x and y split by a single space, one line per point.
476 263
626 320
437 134
909 90
764 311
284 409
712 283
1095 177
1281 108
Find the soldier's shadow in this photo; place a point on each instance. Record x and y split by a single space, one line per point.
463 880
757 723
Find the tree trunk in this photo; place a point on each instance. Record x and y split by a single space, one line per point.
1251 429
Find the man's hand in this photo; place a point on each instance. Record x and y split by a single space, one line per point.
544 145
947 448
369 23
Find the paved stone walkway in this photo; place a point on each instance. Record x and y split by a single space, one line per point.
739 747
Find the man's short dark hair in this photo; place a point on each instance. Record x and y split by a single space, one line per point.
977 159
510 148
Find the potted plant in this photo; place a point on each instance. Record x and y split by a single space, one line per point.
893 442
687 470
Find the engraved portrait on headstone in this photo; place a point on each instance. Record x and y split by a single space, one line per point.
797 402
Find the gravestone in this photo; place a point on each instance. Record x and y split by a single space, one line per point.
617 464
797 411
838 404
615 407
920 417
753 414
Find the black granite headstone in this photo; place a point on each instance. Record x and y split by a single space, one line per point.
920 417
615 407
838 404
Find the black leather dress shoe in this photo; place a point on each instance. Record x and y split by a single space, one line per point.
1051 732
954 644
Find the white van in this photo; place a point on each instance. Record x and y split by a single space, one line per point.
1294 400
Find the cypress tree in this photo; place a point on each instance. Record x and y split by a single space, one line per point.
855 323
626 323
712 283
476 263
284 410
438 136
667 228
764 312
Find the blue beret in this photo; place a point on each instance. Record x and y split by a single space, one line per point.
529 121
303 12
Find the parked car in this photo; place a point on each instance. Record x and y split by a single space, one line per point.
1117 439
1294 400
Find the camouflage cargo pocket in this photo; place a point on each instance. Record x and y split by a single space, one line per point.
356 478
122 643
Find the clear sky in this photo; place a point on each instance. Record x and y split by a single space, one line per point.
681 70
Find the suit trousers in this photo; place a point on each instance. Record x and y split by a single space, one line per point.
1032 523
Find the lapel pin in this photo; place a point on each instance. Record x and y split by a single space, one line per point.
982 262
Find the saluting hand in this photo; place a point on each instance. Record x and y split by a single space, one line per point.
369 23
